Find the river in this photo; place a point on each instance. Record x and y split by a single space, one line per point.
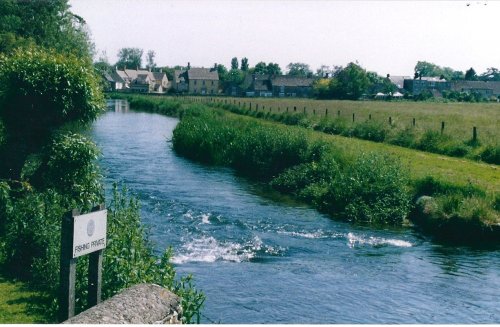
260 259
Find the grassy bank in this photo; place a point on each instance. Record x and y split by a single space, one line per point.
343 176
362 123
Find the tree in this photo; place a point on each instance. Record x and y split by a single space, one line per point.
130 58
349 83
273 69
46 23
321 88
491 74
222 71
298 69
234 63
244 64
41 91
470 75
260 68
150 59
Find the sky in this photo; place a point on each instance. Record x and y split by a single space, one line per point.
388 37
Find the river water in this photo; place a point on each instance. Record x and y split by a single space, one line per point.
261 259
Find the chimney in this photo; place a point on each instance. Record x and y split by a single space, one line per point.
327 75
189 66
388 75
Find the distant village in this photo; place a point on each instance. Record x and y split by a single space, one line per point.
205 81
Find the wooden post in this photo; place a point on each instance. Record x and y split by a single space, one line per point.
95 273
314 112
413 122
326 112
294 108
370 116
286 109
442 127
68 268
390 120
304 109
474 133
353 114
338 113
257 107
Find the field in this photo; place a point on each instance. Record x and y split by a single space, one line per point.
459 118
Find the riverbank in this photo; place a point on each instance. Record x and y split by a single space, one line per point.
465 192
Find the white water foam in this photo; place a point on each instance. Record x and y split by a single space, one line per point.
208 249
312 235
204 218
375 241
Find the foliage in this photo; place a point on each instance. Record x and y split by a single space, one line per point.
298 69
150 59
373 189
234 63
427 69
470 75
129 58
40 91
49 24
321 88
244 64
349 83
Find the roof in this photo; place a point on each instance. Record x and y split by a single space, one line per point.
292 81
398 80
178 76
116 76
203 73
142 79
478 85
159 75
107 76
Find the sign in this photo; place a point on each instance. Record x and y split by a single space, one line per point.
89 233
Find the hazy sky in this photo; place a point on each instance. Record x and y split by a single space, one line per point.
383 36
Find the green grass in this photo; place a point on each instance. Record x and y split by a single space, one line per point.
18 305
459 118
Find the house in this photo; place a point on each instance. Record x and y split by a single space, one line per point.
291 86
138 80
435 85
398 81
201 81
487 89
256 85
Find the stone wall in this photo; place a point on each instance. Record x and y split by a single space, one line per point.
139 304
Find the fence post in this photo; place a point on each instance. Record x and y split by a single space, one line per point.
95 273
314 112
304 109
294 108
353 117
68 268
370 116
326 112
474 133
390 120
286 109
442 127
338 113
413 122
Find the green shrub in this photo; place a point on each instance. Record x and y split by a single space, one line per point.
370 130
406 137
373 189
490 154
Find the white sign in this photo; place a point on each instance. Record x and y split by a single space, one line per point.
89 234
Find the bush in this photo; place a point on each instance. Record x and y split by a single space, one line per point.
490 154
370 130
373 189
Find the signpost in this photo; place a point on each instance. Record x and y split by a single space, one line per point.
81 235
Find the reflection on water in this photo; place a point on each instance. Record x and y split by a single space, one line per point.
265 261
117 105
